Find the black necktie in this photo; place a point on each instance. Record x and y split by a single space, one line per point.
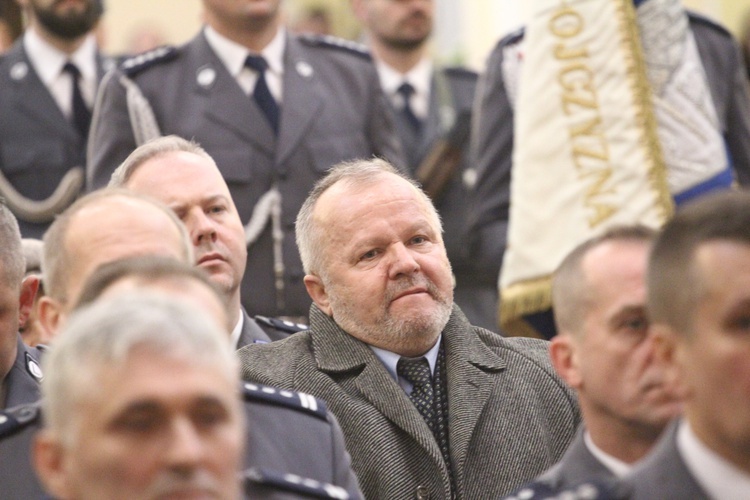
80 112
261 93
417 372
407 90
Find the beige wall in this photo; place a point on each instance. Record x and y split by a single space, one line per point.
483 21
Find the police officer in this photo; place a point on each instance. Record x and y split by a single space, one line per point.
275 111
20 373
49 79
432 108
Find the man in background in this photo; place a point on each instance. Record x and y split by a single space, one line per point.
183 176
699 301
432 109
274 110
605 351
49 80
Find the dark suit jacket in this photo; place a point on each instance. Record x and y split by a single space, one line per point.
492 142
510 416
333 110
663 473
38 145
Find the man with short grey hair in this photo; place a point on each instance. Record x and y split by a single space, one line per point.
141 401
431 406
183 176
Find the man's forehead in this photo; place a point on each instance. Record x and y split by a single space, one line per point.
171 165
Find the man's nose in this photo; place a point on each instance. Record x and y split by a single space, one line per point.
185 448
402 261
200 226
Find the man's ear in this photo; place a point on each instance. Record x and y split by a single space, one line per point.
317 291
563 353
51 315
49 463
29 288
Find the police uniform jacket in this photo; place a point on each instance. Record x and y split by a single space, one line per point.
510 416
289 433
663 473
332 110
38 144
492 142
18 423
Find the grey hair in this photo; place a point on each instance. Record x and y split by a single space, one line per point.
154 149
355 173
11 253
56 258
104 334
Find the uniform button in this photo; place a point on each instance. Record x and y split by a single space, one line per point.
422 493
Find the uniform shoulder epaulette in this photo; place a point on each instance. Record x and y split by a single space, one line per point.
460 72
291 483
336 43
135 64
512 38
697 18
15 419
298 401
281 325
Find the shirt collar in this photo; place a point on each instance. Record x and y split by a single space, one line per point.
615 465
420 77
237 331
719 477
49 60
390 359
233 55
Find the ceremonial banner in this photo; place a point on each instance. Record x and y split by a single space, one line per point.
587 154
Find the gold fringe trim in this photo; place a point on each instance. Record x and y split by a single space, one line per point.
520 299
635 67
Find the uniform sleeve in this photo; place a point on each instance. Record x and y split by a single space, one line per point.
111 137
738 120
491 153
342 463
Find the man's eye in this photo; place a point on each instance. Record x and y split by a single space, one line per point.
368 255
137 424
216 209
418 240
636 324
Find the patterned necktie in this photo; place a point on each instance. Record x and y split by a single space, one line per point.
261 93
407 90
80 112
417 372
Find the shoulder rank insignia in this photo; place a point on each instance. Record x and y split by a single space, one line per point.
281 325
15 419
336 43
700 19
291 483
32 366
134 65
299 401
512 38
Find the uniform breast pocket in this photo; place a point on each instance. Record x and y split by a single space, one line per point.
335 148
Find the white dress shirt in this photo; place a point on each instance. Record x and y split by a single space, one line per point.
615 465
48 62
716 475
419 77
233 56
